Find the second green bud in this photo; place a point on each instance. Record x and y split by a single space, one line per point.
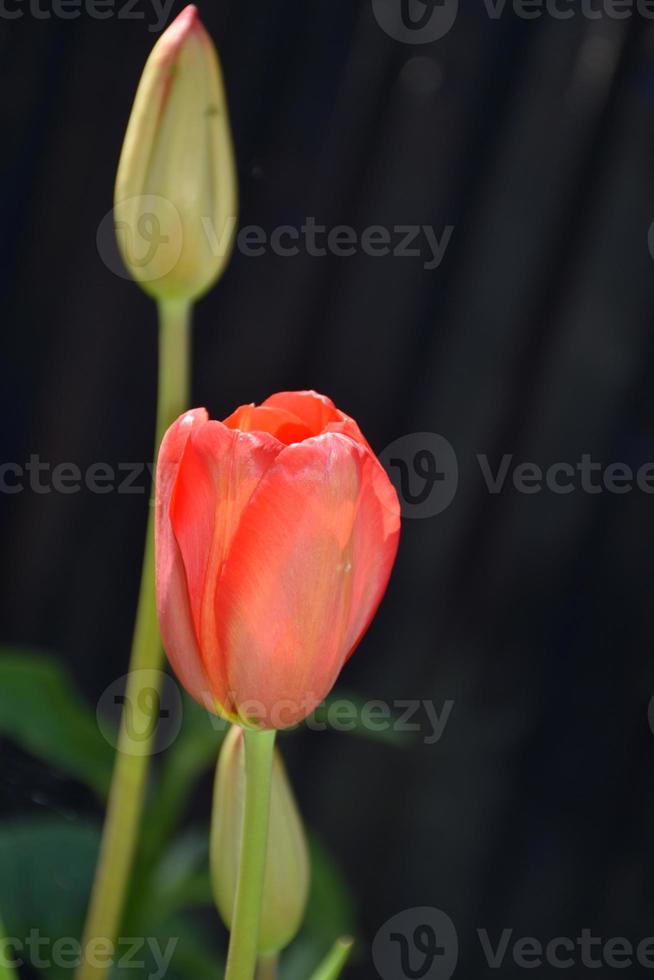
286 883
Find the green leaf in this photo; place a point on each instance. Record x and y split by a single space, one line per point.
42 712
330 911
46 868
177 883
179 880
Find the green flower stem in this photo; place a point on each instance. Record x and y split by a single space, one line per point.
129 779
7 971
242 955
332 966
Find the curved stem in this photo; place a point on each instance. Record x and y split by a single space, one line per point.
242 955
141 711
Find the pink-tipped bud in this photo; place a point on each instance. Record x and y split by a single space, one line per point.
175 201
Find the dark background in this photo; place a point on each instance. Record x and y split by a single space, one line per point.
535 337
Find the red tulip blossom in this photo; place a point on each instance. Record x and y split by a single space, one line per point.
276 533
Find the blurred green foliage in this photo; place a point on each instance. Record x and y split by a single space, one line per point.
47 861
43 713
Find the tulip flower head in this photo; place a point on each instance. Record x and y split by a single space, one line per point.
276 532
175 200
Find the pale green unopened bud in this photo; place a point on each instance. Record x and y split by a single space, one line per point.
286 882
175 201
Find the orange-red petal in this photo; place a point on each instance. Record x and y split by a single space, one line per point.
284 606
219 470
318 412
173 606
279 422
374 548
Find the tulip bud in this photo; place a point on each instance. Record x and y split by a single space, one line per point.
286 882
175 199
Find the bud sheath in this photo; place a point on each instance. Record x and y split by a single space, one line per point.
175 201
286 882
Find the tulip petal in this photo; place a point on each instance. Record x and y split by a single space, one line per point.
284 602
175 620
317 412
218 473
279 422
375 544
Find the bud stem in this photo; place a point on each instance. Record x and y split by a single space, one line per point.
174 390
242 956
126 796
